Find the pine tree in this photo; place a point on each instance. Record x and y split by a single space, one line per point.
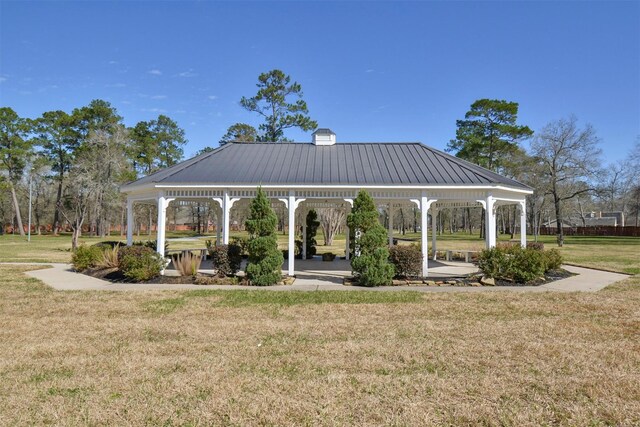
371 263
265 260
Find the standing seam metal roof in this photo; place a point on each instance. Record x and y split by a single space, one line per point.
339 164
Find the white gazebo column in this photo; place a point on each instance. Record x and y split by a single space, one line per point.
424 205
227 204
434 216
163 203
129 222
292 232
523 223
291 203
390 213
490 221
423 235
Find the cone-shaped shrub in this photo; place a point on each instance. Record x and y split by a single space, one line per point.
265 260
312 229
371 266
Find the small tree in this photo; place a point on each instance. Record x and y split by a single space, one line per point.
265 260
312 229
330 221
371 263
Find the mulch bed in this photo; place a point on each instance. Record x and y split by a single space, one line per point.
473 280
116 276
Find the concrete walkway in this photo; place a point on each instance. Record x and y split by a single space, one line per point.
62 277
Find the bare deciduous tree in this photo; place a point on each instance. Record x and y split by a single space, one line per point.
95 177
330 220
569 157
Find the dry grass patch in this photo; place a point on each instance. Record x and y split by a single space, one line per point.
283 358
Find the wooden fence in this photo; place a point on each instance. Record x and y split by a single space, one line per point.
600 230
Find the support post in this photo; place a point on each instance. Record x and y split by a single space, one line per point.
390 213
424 207
226 209
434 216
490 221
292 232
227 204
163 203
523 223
129 222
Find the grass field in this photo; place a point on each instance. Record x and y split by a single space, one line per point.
320 358
324 358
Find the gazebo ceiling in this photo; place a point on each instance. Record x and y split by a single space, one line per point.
342 164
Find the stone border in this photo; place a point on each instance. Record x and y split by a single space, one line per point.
61 277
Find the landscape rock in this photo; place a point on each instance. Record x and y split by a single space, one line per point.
488 281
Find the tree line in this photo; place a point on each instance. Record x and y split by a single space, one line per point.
74 162
563 165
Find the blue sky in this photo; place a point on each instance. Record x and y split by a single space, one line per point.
371 71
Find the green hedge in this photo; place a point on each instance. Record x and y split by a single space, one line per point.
407 260
85 257
140 263
226 259
517 264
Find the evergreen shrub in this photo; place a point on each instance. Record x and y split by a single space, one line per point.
265 260
517 264
553 259
140 263
85 257
371 264
312 230
407 260
226 259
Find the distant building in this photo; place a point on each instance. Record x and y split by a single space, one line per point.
614 219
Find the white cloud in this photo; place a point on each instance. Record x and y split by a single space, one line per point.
3 79
126 102
370 70
189 73
212 97
158 96
113 62
117 85
155 72
153 110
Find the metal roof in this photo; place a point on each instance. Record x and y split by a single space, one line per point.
340 164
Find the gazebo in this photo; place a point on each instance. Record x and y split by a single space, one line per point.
326 173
